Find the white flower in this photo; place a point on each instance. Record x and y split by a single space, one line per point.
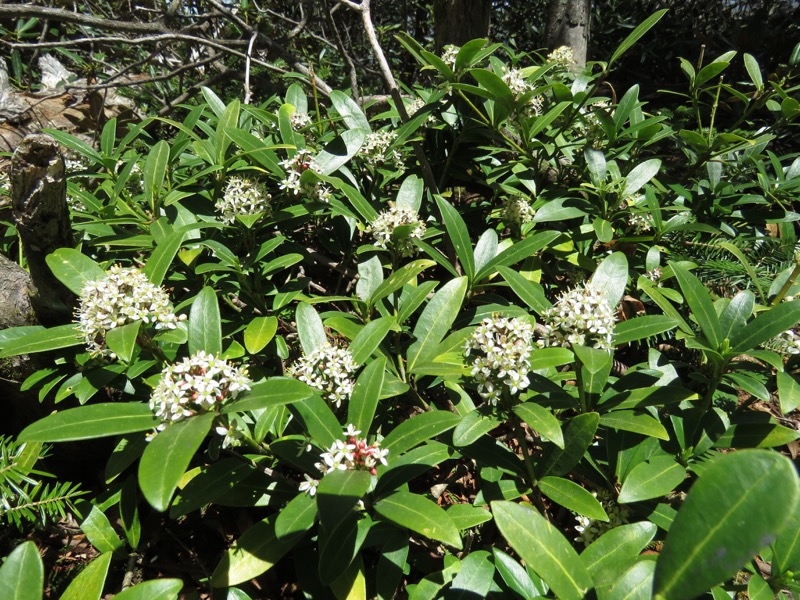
123 296
502 347
243 196
581 316
416 105
295 167
352 453
375 148
516 82
309 486
449 55
788 342
300 120
197 384
328 369
562 56
589 529
518 211
384 225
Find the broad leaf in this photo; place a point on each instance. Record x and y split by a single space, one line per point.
420 515
766 326
205 326
365 396
43 340
435 321
604 557
697 297
642 327
578 435
629 420
572 496
155 589
74 269
611 277
22 574
339 151
349 110
459 236
296 517
309 328
412 432
259 332
92 421
652 479
89 583
541 420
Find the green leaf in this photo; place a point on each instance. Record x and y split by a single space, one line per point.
167 456
595 366
399 278
22 574
365 396
275 391
640 175
92 421
737 506
160 260
531 293
435 321
339 151
257 551
412 432
543 421
642 327
154 171
205 327
473 426
296 517
259 332
754 71
766 326
155 589
309 328
543 548
101 534
89 583
786 549
44 340
420 515
635 35
459 236
596 163
604 557
578 435
338 492
349 110
652 478
572 496
212 482
122 340
611 277
788 392
485 249
318 420
466 516
634 584
370 337
696 296
74 269
474 578
518 252
629 420
756 435
514 575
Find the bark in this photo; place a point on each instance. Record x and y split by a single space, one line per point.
41 215
459 21
568 25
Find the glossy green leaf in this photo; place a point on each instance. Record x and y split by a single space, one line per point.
296 517
531 293
634 584
155 589
399 278
766 326
91 421
99 531
629 420
466 516
161 259
572 496
412 432
349 110
89 583
259 332
318 419
788 392
543 548
435 321
518 252
420 515
212 482
756 435
309 328
44 340
339 547
786 549
459 236
154 171
640 175
595 366
737 506
635 35
22 574
754 71
122 340
167 456
205 326
541 420
606 556
474 578
365 396
275 391
697 297
370 337
652 478
339 151
611 277
74 269
642 327
473 426
514 575
485 249
736 314
578 435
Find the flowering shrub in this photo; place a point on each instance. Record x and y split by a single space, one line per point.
243 197
328 369
581 316
385 229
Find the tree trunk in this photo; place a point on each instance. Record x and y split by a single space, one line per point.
459 21
568 25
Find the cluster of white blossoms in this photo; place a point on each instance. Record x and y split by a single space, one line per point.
397 215
502 348
123 296
787 342
375 148
582 316
638 221
243 196
589 529
328 369
515 81
302 161
517 211
300 120
449 55
416 105
195 385
562 56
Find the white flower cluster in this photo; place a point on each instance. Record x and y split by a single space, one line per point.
328 369
195 385
123 296
589 529
384 225
295 167
376 146
516 82
562 56
502 347
788 342
352 454
517 211
581 316
300 120
416 105
449 55
243 196
638 221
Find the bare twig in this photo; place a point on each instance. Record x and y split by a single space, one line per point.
247 92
